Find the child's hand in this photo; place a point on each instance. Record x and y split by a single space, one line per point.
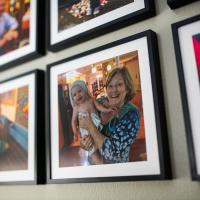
112 110
106 116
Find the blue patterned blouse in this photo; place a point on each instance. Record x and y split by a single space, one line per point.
121 132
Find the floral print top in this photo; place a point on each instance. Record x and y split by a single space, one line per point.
121 132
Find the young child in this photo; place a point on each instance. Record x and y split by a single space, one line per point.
83 104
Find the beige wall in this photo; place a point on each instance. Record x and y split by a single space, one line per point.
181 187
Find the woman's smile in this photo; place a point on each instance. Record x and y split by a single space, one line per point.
114 96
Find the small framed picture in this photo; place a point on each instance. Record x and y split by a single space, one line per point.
22 31
22 138
106 114
186 36
75 21
173 4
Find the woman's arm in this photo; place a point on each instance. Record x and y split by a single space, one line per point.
115 148
123 133
87 143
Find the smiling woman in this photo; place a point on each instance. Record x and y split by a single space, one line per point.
121 126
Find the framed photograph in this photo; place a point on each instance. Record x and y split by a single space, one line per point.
186 36
22 31
173 4
22 138
106 114
75 21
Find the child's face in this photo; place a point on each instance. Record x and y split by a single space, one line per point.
78 95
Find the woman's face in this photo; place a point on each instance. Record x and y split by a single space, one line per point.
116 91
78 95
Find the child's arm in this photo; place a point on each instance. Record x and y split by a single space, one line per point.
104 108
106 111
75 123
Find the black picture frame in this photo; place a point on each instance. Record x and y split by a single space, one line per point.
23 162
173 4
31 40
57 172
184 36
125 15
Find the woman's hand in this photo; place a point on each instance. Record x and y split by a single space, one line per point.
85 122
86 142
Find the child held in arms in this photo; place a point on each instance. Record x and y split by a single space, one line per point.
83 105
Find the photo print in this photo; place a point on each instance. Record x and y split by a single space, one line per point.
22 137
75 21
186 35
74 12
92 81
19 28
14 129
14 25
103 122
